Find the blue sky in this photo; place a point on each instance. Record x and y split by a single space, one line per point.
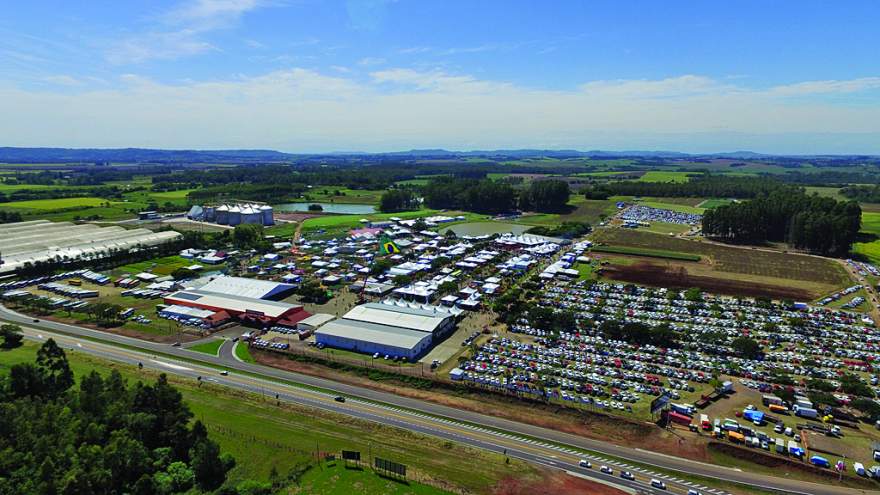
374 75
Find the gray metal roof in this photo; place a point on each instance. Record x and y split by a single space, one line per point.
374 333
399 316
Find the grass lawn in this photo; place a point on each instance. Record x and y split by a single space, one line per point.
713 203
673 207
242 352
263 435
870 225
335 478
211 347
666 228
157 266
664 176
328 194
56 204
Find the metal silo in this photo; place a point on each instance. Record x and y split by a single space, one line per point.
210 213
267 214
250 215
223 215
234 215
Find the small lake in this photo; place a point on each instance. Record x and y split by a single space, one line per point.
486 228
353 209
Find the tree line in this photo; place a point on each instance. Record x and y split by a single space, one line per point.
820 225
102 436
699 186
865 194
492 197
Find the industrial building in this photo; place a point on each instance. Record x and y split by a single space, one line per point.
41 240
233 214
248 310
243 287
395 329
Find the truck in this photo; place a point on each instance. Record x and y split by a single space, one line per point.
682 409
804 403
794 449
859 469
730 425
735 437
756 417
818 460
704 422
771 399
679 418
780 446
778 408
805 412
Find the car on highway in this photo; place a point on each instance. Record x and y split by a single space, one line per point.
694 492
224 373
606 470
585 463
658 484
627 475
339 398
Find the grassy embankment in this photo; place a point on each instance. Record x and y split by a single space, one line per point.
263 435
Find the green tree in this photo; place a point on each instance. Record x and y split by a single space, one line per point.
395 200
12 335
209 470
54 369
746 347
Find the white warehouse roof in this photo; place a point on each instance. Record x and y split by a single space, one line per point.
244 287
373 333
399 316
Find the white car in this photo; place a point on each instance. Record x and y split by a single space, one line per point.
606 470
658 484
585 463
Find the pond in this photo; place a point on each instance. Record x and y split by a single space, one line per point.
486 228
350 208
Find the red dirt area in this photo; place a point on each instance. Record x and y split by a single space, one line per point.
553 483
677 277
621 431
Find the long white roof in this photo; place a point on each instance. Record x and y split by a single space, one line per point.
373 333
398 316
239 304
244 287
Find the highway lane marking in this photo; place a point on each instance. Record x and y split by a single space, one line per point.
403 417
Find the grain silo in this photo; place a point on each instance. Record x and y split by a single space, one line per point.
250 215
267 214
234 215
210 213
223 215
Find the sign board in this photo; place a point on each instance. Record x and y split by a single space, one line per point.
351 455
659 402
254 312
390 466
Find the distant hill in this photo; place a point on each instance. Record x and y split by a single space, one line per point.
136 155
144 155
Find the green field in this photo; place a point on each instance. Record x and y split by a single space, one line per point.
243 353
337 478
157 266
263 435
714 203
683 208
664 176
871 227
652 253
328 194
57 204
211 347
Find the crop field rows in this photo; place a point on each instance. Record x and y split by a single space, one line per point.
726 269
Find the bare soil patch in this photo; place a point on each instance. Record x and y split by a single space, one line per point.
552 483
678 277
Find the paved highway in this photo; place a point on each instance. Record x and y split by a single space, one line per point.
527 442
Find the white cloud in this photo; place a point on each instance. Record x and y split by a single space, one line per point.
306 110
826 87
181 32
63 80
368 61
